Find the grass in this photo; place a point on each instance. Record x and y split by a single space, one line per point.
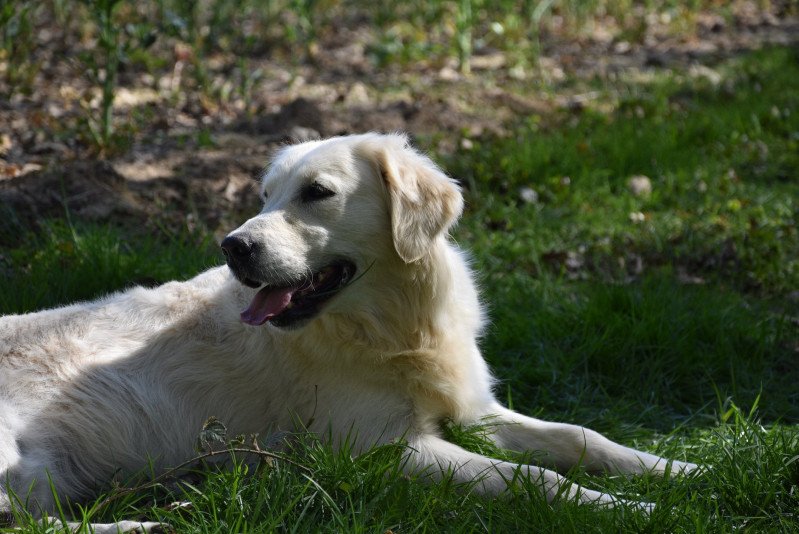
721 160
676 333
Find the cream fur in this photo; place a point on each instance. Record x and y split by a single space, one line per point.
102 387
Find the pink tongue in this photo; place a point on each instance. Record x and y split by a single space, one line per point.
267 303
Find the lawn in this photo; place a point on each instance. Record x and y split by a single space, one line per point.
666 319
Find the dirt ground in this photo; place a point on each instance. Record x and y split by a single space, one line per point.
194 162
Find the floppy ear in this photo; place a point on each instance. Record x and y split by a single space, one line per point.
423 201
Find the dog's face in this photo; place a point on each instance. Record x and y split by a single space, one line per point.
332 209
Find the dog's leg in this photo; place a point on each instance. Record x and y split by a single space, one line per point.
566 446
436 458
121 527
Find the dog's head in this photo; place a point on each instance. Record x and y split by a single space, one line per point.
332 210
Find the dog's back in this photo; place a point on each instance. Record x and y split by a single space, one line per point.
94 387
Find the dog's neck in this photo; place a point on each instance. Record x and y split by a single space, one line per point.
405 322
395 308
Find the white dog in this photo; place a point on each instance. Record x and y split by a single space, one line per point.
358 314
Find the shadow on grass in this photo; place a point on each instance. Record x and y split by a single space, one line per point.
653 354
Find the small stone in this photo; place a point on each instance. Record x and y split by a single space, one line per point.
517 72
301 133
449 74
528 195
640 186
466 144
6 144
358 95
637 217
622 47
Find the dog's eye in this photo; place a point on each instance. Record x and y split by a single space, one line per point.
315 192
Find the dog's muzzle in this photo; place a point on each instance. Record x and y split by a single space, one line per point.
284 304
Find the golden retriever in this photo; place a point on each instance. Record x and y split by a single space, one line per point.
343 303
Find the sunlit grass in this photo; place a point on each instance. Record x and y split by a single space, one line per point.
721 161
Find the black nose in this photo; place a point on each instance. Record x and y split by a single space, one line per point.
237 247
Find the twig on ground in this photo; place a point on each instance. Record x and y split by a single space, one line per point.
169 473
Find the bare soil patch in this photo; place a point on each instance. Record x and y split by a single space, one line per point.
190 161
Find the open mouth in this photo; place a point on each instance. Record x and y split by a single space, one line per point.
287 305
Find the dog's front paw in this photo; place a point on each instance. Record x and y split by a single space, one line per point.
685 468
643 507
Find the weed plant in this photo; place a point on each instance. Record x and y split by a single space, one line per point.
115 41
16 46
